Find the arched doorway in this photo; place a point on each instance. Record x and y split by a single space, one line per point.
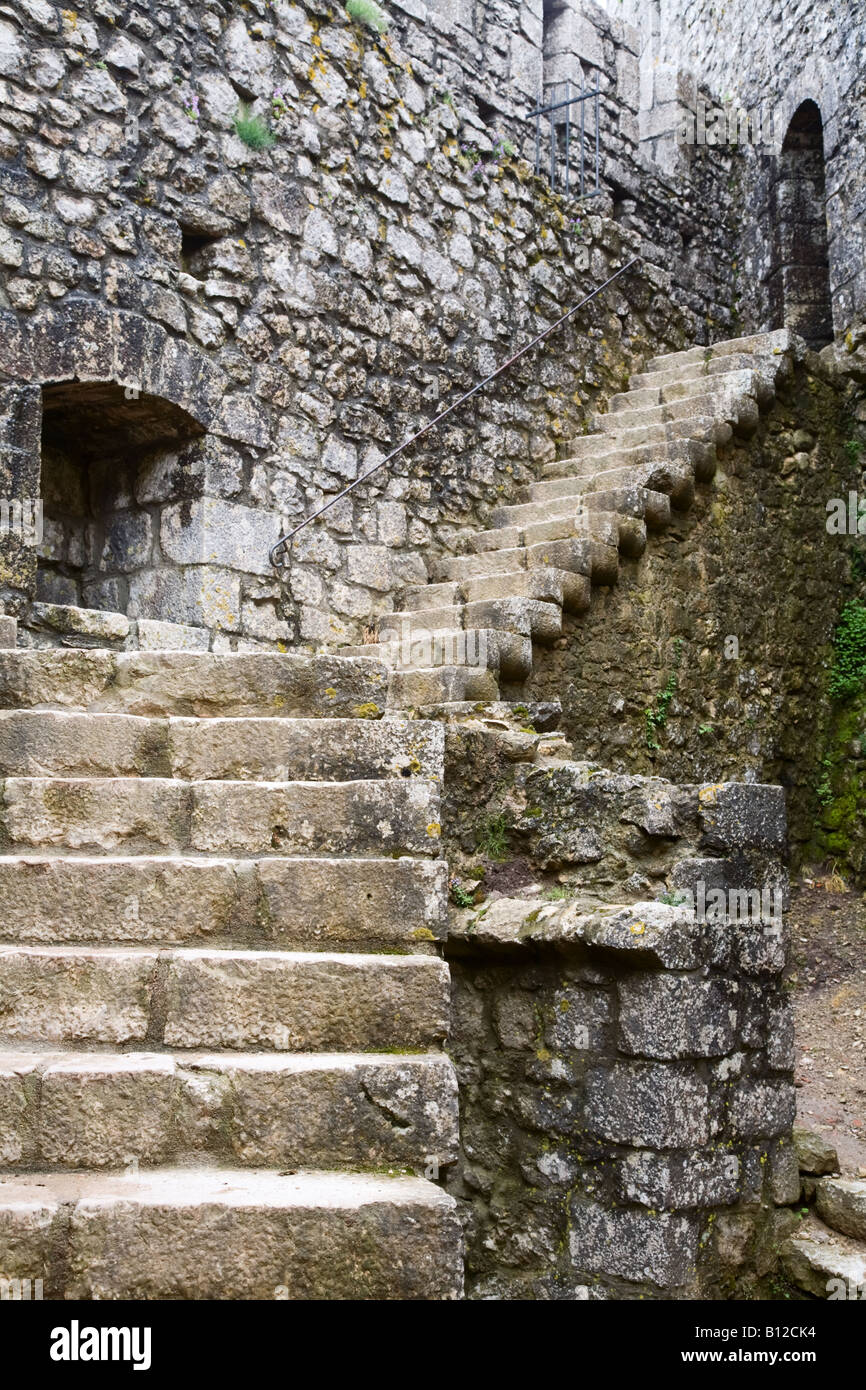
799 278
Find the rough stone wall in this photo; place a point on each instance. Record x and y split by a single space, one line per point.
625 1071
307 306
773 56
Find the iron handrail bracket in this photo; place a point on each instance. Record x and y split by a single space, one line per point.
279 550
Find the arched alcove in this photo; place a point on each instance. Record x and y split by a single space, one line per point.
799 278
109 456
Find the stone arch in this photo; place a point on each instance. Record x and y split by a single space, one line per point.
108 383
798 282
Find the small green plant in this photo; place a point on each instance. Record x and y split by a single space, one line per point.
480 166
657 716
706 729
824 789
673 899
493 838
460 896
253 130
848 672
369 13
556 895
853 448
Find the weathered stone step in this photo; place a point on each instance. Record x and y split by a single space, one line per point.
675 453
281 1000
441 684
544 529
529 617
506 653
341 904
841 1203
154 815
823 1263
313 1110
571 554
542 583
778 341
663 386
202 684
735 405
39 742
193 1233
705 429
695 377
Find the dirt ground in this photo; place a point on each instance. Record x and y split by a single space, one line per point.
827 978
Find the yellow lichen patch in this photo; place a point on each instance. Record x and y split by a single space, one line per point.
423 934
331 693
637 928
434 830
369 710
709 795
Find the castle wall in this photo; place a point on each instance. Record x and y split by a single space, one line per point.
312 303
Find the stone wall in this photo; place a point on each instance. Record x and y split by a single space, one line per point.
624 1063
279 318
773 57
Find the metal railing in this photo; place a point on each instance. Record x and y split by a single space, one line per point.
562 140
279 552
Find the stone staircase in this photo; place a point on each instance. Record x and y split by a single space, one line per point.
468 634
825 1257
222 1006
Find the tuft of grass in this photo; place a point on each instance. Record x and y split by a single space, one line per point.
253 130
493 838
369 13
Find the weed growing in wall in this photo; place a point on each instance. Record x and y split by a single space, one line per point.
482 167
657 715
369 13
253 130
848 672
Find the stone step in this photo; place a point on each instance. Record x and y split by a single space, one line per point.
280 1000
200 684
764 344
823 1263
128 815
506 653
567 566
313 1110
542 584
529 617
342 904
35 743
841 1203
696 377
441 684
571 553
733 400
543 530
707 429
739 414
686 453
208 1233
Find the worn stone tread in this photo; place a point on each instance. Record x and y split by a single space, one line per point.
210 1233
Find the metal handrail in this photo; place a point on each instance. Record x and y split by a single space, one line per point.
280 547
